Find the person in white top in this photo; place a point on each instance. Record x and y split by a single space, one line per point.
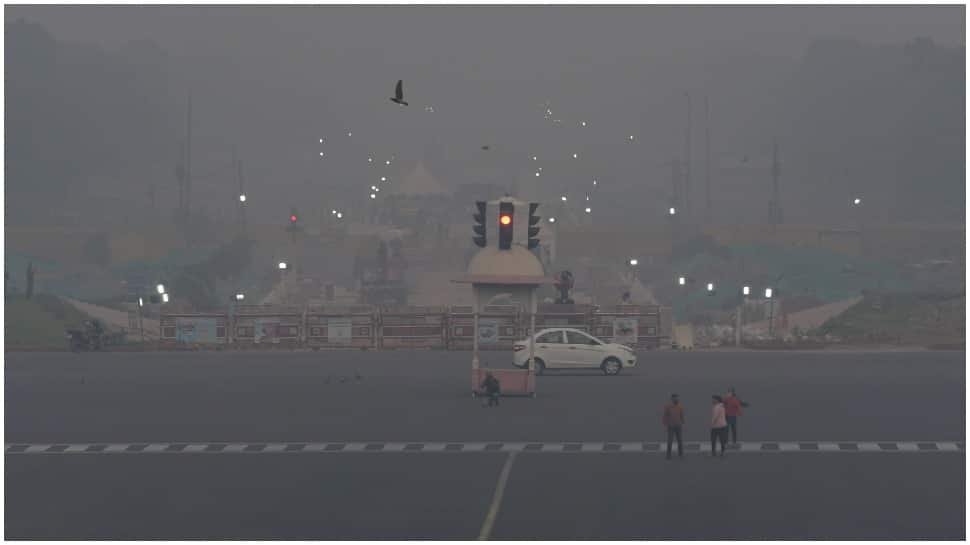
719 427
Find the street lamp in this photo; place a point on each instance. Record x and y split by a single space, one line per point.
672 211
768 293
141 302
563 198
164 297
682 281
242 198
857 201
633 262
710 288
588 210
373 196
771 312
160 288
746 290
340 215
552 220
575 156
282 265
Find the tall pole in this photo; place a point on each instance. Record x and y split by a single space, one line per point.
707 158
775 205
188 156
242 191
687 203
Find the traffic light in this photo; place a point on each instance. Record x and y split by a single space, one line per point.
505 224
533 225
479 226
293 216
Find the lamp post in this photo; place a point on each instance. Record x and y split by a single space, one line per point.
771 311
283 295
739 321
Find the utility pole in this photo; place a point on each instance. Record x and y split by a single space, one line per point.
242 191
707 158
687 203
188 157
774 206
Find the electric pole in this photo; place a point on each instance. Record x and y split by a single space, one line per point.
188 157
707 159
687 203
775 215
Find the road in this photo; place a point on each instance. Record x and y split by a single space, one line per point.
372 445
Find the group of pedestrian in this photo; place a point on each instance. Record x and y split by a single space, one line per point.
724 418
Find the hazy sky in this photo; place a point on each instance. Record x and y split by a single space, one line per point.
271 79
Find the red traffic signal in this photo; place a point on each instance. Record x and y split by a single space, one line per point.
505 219
292 218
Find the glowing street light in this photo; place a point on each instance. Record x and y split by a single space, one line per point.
563 198
537 174
164 297
552 220
594 182
387 162
340 215
321 154
242 198
321 140
682 281
370 159
160 288
768 293
746 290
630 138
575 156
383 178
333 212
710 287
141 302
282 265
672 211
373 195
588 210
240 296
634 262
535 158
583 123
857 201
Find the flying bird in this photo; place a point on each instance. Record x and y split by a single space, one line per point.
398 97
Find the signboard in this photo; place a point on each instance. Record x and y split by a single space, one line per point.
625 330
264 330
196 330
339 330
487 331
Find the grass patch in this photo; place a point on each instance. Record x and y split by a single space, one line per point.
38 322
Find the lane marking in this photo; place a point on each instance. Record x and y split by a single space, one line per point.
503 478
456 447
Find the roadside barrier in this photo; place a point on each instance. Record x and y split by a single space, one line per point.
633 325
194 329
268 325
334 326
499 326
413 327
573 316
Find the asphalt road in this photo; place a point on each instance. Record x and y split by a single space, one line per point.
424 396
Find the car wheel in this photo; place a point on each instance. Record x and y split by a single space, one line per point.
611 366
540 366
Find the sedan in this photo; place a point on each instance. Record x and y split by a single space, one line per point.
567 348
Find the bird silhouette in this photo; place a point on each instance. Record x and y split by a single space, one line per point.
398 97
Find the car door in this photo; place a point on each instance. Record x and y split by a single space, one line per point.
550 348
584 350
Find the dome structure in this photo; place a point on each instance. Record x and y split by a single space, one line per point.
517 261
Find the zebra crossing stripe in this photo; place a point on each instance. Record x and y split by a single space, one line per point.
765 447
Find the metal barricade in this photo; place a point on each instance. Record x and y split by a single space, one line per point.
268 326
413 327
637 326
336 326
572 316
499 327
202 329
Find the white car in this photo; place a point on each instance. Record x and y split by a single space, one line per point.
566 348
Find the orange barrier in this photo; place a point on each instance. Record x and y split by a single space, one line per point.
499 324
341 327
513 382
413 327
268 325
193 329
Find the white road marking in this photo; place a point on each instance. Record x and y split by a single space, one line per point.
497 498
651 447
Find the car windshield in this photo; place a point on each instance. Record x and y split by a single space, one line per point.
550 337
575 337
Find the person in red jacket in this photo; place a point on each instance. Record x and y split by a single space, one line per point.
673 420
733 408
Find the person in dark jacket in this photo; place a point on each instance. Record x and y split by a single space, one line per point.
673 420
492 389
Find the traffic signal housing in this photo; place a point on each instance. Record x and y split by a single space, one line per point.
506 211
533 225
480 240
